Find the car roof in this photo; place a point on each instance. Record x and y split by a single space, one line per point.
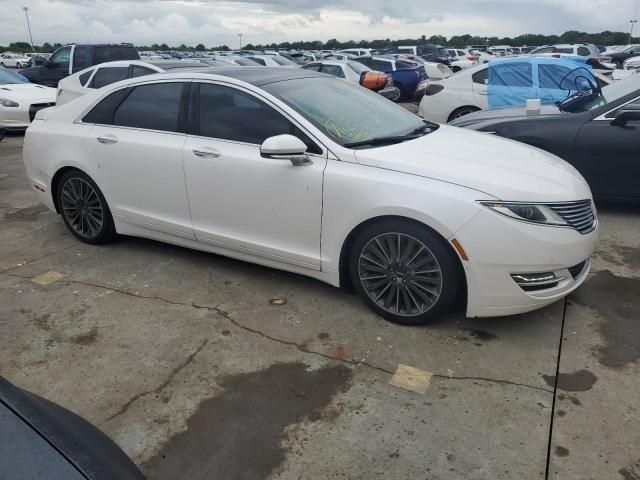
257 76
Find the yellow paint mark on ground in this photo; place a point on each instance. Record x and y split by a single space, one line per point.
412 379
47 278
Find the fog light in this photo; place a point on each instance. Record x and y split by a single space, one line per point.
536 281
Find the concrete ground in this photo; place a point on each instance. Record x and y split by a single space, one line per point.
184 360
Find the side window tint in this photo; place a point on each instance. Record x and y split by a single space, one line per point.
108 75
84 77
61 57
152 107
334 70
81 58
102 113
583 51
635 103
511 75
481 77
315 67
137 71
259 60
229 114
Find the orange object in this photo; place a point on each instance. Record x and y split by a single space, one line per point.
460 250
373 80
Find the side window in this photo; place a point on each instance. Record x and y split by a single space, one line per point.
60 59
85 77
545 50
112 53
81 58
512 75
583 51
229 114
108 75
551 76
334 70
635 103
313 66
138 71
152 107
481 76
102 113
380 65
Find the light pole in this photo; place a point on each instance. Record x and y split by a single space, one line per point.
633 24
26 14
240 35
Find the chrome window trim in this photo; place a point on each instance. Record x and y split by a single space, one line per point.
604 117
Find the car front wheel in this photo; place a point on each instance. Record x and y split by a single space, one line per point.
84 208
405 272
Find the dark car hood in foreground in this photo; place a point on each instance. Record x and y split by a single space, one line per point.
507 113
47 437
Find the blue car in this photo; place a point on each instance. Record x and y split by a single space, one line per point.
410 78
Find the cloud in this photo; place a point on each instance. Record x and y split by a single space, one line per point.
216 22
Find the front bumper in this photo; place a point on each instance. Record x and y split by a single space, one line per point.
499 247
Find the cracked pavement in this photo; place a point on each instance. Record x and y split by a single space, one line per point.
180 357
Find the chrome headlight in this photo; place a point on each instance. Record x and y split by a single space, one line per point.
527 212
5 102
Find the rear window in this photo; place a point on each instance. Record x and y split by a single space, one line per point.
358 67
282 60
85 77
107 76
111 53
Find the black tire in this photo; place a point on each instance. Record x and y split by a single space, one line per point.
419 306
461 112
84 209
18 65
401 93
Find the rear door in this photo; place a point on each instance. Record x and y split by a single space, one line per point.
137 145
608 156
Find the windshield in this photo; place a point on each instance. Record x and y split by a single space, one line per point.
7 76
345 112
245 62
613 92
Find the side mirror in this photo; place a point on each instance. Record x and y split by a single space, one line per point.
285 147
629 113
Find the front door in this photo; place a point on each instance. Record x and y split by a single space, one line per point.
138 159
56 68
608 156
240 200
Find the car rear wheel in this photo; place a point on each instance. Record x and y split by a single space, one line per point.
84 208
405 272
461 112
18 65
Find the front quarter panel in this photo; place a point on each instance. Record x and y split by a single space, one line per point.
356 193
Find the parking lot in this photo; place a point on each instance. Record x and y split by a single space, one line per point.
200 366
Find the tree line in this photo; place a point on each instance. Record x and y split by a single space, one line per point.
529 39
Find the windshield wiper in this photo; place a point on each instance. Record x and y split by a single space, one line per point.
415 133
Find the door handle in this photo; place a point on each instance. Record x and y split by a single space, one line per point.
206 153
107 140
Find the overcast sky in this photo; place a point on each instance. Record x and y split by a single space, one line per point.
264 21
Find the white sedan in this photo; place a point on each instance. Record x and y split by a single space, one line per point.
14 60
20 100
305 172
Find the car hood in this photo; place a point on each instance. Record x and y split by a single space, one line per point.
27 92
506 113
504 169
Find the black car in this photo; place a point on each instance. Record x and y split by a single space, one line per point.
73 58
619 57
598 133
39 439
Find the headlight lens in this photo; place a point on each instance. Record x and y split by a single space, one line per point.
5 102
527 212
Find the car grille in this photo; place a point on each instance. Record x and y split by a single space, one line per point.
34 107
579 215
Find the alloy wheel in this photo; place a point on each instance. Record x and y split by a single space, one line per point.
82 208
400 274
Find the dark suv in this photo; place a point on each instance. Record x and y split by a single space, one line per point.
73 58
